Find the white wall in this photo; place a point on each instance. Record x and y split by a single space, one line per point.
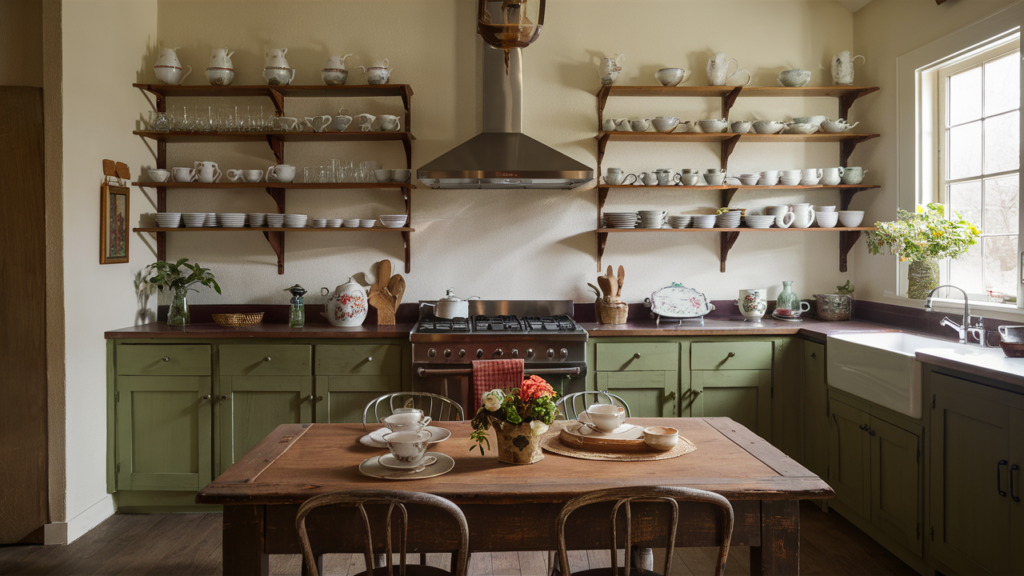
105 45
511 244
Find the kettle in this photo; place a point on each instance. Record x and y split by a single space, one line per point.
451 306
347 305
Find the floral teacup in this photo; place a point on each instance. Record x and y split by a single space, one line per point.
406 421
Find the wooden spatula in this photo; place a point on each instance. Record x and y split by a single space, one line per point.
622 278
396 286
606 286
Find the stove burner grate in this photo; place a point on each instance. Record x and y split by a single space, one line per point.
550 323
497 324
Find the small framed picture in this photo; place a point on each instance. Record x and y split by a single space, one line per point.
114 211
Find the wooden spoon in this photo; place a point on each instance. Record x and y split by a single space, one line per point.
622 278
383 273
606 286
397 288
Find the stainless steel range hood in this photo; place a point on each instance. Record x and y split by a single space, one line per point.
502 156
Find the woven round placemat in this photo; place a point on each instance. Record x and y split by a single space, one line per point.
552 444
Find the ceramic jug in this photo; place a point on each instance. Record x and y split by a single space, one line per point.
168 68
803 215
277 72
832 176
718 70
346 306
609 69
221 71
842 68
334 72
788 303
378 74
207 171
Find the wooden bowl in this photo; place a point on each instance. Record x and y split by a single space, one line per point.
1013 349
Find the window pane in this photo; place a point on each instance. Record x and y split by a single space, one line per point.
1002 84
1002 143
965 96
964 151
965 199
1002 205
1001 264
965 271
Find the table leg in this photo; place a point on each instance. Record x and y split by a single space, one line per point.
319 559
242 547
779 552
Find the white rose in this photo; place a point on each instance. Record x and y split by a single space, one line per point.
538 427
492 400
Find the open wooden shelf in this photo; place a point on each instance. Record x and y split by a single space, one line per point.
247 229
278 185
282 136
783 230
727 192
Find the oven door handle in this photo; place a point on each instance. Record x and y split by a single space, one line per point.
428 372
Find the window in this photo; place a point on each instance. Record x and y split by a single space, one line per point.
977 141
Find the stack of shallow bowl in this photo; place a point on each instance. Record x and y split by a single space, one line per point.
295 220
257 220
729 219
334 222
351 223
652 218
758 221
366 223
211 220
679 220
704 220
393 220
275 220
194 219
319 223
231 220
620 219
168 219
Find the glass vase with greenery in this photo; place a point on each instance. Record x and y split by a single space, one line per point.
178 278
923 238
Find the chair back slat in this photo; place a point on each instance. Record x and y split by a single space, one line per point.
439 408
570 403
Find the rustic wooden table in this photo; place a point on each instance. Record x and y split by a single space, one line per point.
512 508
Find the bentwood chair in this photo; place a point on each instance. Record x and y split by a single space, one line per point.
622 497
440 408
393 499
570 404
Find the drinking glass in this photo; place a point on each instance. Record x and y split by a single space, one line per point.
369 165
307 174
159 122
323 174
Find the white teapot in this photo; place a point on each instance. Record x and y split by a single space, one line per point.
221 71
609 69
334 72
277 72
168 68
842 68
346 306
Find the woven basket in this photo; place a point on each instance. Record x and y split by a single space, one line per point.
238 320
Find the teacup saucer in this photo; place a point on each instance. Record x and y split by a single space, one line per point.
787 318
375 439
588 431
389 461
371 467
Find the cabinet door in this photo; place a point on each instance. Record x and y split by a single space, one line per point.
250 407
345 397
895 483
164 432
815 409
1017 493
648 394
968 440
743 395
849 456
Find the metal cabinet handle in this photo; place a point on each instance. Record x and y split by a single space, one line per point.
871 432
636 356
223 397
814 354
166 358
670 396
697 393
863 427
1013 472
267 359
206 397
730 355
319 398
999 477
369 358
310 397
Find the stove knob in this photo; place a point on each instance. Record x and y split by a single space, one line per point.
515 353
498 353
479 353
551 352
529 353
431 353
447 353
564 353
462 353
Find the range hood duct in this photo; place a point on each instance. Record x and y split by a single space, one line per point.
502 156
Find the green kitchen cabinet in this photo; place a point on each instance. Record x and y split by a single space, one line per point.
1016 490
648 394
349 376
849 454
814 397
895 491
251 407
743 395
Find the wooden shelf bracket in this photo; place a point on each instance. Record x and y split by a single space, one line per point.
846 196
277 99
277 147
278 194
727 195
602 241
847 240
276 240
846 101
728 145
729 99
407 239
726 240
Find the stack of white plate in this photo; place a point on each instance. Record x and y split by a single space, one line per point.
620 219
680 220
194 219
730 219
367 223
393 220
275 220
295 220
703 220
231 220
211 220
257 220
168 219
652 218
351 222
758 221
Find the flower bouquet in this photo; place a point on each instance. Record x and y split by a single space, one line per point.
519 416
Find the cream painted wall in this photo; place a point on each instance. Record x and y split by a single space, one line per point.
105 45
884 30
21 43
509 244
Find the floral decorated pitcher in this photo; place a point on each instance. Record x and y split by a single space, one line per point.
842 68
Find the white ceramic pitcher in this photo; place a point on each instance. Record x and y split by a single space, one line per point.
842 68
803 215
718 70
609 68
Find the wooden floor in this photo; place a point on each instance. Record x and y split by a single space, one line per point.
183 544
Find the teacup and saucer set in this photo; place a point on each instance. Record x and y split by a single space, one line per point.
402 420
406 436
608 422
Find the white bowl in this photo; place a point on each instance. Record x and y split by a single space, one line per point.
851 218
680 221
826 219
168 219
257 220
194 220
319 223
275 220
704 221
760 222
749 179
351 223
334 222
367 223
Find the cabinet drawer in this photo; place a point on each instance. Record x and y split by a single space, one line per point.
163 360
265 360
731 356
640 356
359 359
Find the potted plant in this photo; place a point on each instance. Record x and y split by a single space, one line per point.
922 239
519 417
179 279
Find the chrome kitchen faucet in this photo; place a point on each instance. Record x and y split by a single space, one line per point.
964 330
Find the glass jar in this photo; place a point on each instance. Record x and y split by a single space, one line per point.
297 314
177 314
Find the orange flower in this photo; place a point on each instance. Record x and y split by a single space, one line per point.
535 387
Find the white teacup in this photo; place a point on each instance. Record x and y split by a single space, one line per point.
252 175
663 438
389 123
603 417
159 175
408 447
382 175
281 173
401 175
318 123
648 178
235 175
184 174
689 179
640 124
618 178
406 421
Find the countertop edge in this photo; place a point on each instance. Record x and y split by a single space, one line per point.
971 368
160 331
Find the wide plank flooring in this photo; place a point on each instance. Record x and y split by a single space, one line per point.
189 544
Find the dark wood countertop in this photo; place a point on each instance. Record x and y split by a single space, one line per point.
809 328
160 330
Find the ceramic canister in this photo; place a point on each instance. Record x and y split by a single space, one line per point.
753 303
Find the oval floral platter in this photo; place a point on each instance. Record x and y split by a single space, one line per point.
679 302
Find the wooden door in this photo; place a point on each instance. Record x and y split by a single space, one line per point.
849 457
814 394
1016 491
896 483
743 395
164 432
648 394
250 407
969 437
345 397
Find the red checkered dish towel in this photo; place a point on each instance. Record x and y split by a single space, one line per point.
491 374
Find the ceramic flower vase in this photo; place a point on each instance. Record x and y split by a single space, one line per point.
923 277
517 443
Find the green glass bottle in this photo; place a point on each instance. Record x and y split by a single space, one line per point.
297 315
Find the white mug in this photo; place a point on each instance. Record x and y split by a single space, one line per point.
603 417
389 123
207 172
281 173
784 220
832 176
184 174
